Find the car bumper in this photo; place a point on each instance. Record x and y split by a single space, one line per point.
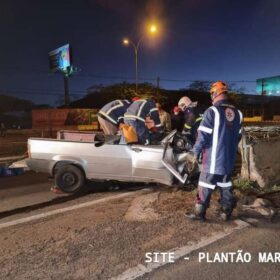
41 165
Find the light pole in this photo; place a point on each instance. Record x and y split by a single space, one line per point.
127 42
136 48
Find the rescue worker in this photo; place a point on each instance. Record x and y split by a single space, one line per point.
218 136
136 115
192 115
164 117
177 119
111 116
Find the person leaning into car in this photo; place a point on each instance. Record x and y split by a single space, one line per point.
136 116
111 116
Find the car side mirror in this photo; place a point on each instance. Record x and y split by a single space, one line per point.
98 144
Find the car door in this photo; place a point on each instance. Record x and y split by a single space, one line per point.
109 161
147 163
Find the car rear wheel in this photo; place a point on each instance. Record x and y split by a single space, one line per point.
69 178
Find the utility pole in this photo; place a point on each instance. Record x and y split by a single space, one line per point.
66 74
158 80
136 67
136 48
60 60
66 90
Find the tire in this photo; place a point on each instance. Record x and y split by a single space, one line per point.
69 178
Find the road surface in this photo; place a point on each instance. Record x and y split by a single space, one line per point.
103 234
255 240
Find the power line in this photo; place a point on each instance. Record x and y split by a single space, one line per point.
155 78
26 92
57 92
40 90
113 77
78 93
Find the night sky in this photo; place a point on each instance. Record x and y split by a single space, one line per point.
198 40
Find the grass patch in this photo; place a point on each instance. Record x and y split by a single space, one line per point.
276 188
245 186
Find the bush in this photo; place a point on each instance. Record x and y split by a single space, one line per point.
244 185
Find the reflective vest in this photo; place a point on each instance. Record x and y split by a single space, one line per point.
114 111
192 122
218 136
141 109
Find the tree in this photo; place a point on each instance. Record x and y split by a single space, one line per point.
200 85
235 94
123 90
99 95
11 103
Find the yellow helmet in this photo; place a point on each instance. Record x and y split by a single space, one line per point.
218 88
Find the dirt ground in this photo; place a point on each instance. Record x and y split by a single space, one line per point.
104 240
100 241
267 162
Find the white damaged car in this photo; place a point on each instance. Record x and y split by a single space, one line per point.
76 157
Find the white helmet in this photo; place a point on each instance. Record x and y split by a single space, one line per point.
185 103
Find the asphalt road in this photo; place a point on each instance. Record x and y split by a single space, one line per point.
263 238
102 233
22 195
20 192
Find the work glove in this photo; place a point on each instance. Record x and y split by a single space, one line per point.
192 161
191 157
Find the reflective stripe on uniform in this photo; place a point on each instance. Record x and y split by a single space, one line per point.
228 105
154 109
107 116
224 185
241 116
205 129
189 126
241 119
133 117
141 108
115 107
206 185
215 139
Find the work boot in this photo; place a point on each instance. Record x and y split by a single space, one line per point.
199 213
195 217
225 217
225 214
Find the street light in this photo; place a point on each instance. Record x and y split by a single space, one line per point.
127 42
153 28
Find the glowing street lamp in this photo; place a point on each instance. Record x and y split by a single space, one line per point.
127 42
153 28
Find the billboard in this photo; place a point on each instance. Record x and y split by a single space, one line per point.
269 86
60 58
